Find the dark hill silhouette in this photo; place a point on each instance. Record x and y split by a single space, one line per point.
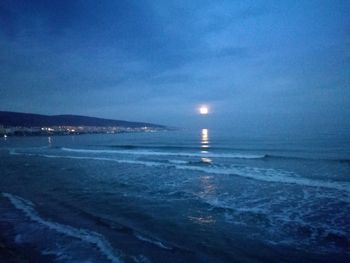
37 120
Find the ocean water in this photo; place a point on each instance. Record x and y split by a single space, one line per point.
179 196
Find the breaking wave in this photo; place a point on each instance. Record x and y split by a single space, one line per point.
84 235
161 153
261 174
200 154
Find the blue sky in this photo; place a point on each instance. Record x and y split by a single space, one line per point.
258 64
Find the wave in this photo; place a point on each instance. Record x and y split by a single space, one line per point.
282 157
270 175
153 241
159 147
178 161
117 226
206 154
260 174
84 235
192 147
184 154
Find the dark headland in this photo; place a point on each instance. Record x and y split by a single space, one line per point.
17 123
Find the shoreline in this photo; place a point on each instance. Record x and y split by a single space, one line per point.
5 136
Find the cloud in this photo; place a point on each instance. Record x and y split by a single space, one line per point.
157 60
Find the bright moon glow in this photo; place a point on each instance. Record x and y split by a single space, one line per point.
203 110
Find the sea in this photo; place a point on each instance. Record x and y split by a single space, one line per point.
175 196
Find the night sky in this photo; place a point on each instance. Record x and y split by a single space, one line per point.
259 65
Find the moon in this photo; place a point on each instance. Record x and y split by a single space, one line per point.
204 110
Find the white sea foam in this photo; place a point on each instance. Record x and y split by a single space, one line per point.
178 161
270 175
158 153
85 235
266 175
292 218
145 163
152 241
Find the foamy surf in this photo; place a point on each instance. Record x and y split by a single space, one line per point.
157 153
152 241
178 161
84 235
270 175
261 174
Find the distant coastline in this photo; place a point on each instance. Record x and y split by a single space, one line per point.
27 124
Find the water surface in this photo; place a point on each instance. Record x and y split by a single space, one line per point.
201 196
